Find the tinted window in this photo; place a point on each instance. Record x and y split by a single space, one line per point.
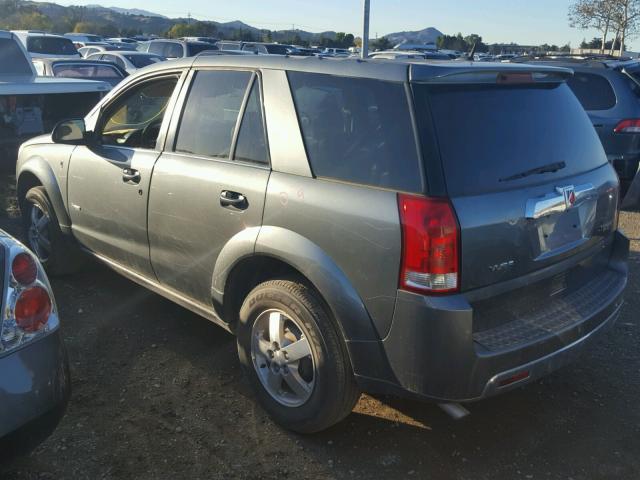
593 91
211 112
357 130
140 61
12 60
490 132
195 48
134 119
251 145
51 46
277 49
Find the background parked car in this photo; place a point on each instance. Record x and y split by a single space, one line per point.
31 105
609 90
84 37
42 45
80 68
89 49
34 371
172 49
129 61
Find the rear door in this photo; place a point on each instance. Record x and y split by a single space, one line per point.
210 183
492 138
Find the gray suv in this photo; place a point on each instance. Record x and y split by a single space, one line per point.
445 231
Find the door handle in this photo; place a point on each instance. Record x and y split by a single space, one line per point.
233 199
129 175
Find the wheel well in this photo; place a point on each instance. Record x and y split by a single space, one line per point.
248 274
26 182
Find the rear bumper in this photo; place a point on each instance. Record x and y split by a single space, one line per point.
433 352
34 388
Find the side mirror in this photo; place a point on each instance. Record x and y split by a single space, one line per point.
70 132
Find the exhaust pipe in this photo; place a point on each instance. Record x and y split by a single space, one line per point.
454 410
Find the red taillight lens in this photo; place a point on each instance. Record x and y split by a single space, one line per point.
628 126
430 245
32 309
24 269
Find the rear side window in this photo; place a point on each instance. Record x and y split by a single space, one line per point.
594 91
12 59
487 133
357 130
251 145
51 46
211 112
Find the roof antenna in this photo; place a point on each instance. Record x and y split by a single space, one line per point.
472 53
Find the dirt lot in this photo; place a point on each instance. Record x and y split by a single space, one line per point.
158 395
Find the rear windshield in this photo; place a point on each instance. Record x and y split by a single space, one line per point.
487 133
85 71
12 60
594 91
195 48
140 61
51 46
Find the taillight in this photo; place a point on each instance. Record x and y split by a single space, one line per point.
32 309
24 269
430 245
628 126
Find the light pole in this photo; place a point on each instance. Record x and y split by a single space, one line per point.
364 51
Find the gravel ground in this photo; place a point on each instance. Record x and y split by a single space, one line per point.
158 395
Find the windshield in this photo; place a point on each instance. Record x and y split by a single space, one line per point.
140 61
51 46
490 132
12 59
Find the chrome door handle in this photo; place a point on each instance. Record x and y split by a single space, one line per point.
233 199
129 175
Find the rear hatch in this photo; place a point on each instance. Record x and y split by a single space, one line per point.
522 165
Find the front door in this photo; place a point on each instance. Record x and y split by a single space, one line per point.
108 184
210 185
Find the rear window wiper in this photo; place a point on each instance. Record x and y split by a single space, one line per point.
550 168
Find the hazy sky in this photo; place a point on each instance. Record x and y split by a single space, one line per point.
521 21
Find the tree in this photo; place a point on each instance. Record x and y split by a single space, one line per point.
597 14
626 18
382 43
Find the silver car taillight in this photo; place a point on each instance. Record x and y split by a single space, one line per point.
28 307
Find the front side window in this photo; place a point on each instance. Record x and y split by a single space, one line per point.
357 130
134 119
173 50
156 47
211 112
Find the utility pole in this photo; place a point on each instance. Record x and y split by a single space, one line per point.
364 53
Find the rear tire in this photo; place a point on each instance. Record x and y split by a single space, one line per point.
294 357
58 253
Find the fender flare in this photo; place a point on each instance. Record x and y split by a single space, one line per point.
41 169
311 261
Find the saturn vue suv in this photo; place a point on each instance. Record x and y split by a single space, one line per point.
444 231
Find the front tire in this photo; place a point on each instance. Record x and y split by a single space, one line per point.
57 252
294 357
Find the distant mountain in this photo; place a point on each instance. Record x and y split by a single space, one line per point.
426 36
131 11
